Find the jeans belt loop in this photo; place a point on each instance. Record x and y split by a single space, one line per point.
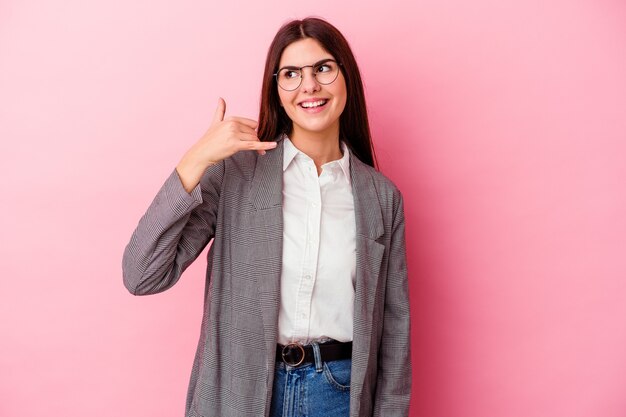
318 356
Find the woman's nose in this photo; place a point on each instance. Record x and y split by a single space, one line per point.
309 82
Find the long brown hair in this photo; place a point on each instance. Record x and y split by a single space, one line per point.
354 127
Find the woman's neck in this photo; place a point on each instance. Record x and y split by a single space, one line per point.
321 147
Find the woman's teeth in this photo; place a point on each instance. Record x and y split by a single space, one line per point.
310 104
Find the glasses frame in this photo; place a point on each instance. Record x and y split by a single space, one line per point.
293 68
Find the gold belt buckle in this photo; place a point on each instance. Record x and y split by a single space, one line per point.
290 352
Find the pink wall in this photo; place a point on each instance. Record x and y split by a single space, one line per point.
503 122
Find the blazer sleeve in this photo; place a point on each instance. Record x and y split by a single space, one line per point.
393 388
172 233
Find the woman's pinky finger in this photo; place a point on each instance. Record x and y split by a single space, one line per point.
268 146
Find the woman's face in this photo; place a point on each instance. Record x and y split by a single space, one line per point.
312 107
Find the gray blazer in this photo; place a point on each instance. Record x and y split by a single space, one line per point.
238 206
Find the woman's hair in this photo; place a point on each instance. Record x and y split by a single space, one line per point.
354 127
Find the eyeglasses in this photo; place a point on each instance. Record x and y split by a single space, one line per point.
325 72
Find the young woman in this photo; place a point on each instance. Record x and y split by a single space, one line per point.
306 301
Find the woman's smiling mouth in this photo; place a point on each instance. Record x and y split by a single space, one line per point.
314 104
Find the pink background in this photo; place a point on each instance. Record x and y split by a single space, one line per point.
503 122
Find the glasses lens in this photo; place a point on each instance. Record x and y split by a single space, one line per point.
327 72
289 79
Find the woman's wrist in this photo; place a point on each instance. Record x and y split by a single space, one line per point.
190 172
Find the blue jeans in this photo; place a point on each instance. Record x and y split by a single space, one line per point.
319 389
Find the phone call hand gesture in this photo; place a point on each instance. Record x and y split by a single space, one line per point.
225 137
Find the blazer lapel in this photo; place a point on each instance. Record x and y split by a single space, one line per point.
267 183
369 218
369 255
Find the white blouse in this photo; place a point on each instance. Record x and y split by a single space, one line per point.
319 249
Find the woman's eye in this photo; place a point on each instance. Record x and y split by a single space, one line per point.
291 74
324 68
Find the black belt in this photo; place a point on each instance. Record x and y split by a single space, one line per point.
295 354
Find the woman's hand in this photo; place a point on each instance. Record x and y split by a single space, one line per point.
224 138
